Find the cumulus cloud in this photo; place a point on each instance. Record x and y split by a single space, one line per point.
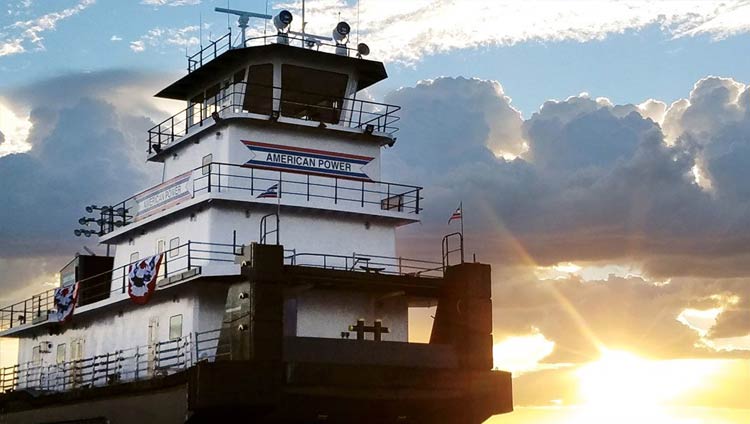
407 31
598 183
84 150
14 127
17 37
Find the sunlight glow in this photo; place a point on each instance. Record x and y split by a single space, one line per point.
630 387
16 131
699 320
522 354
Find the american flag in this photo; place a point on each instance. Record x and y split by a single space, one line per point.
270 193
456 215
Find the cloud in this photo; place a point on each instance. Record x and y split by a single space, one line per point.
407 31
170 2
15 128
21 34
598 184
87 146
137 46
115 38
160 37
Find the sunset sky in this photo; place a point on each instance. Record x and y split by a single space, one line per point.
601 151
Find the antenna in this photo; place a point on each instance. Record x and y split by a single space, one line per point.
244 18
358 3
303 21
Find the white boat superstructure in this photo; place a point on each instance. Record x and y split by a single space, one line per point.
260 278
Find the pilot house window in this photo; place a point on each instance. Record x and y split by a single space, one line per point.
259 94
312 94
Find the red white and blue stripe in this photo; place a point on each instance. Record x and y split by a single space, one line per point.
307 161
458 214
270 193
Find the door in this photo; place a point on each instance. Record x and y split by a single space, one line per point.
76 362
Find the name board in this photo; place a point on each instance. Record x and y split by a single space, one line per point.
164 196
307 161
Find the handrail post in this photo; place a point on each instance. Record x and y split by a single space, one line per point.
166 262
363 193
417 207
335 190
188 256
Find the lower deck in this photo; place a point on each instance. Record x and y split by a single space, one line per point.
282 342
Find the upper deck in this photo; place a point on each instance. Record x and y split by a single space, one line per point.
278 79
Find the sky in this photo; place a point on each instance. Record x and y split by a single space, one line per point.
600 149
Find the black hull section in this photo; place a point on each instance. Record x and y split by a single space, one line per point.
238 390
313 393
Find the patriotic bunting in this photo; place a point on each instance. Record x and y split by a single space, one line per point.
65 303
142 279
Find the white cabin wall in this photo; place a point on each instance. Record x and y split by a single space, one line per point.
326 313
187 225
118 327
126 325
304 231
190 156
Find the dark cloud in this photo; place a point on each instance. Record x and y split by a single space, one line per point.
86 149
2 137
599 183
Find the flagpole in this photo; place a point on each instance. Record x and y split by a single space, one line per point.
461 207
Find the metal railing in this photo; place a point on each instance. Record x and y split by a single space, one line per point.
210 52
133 364
360 262
244 98
224 44
315 190
186 257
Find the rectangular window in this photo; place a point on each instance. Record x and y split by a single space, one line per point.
173 247
133 257
36 355
60 358
160 246
207 164
175 327
259 93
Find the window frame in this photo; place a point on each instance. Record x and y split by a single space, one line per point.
172 325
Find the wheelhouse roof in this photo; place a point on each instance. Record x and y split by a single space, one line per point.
369 72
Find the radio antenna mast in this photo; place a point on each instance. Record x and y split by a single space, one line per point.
358 2
244 18
303 23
